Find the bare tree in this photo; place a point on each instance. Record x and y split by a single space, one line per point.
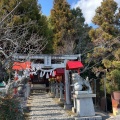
106 45
17 39
67 47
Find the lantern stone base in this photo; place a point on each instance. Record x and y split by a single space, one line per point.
84 105
89 118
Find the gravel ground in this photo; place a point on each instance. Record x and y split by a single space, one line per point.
114 118
44 108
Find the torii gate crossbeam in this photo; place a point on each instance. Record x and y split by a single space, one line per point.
42 56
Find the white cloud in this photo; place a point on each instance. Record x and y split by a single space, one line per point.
118 2
88 8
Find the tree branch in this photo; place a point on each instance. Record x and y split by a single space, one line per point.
10 13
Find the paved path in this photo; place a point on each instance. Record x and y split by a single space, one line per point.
44 108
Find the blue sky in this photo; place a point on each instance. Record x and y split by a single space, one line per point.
88 7
48 4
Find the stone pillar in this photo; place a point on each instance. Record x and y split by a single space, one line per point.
15 79
74 107
67 89
24 97
52 87
54 90
61 91
27 93
57 90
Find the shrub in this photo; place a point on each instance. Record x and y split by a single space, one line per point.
10 109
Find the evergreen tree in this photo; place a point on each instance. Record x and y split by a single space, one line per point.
106 43
28 12
62 22
81 35
49 47
82 41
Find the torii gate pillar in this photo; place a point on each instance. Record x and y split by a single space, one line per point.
68 104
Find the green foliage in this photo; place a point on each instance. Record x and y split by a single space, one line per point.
61 20
29 13
116 64
105 16
69 25
113 81
107 63
10 109
117 54
115 74
105 39
82 40
49 47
